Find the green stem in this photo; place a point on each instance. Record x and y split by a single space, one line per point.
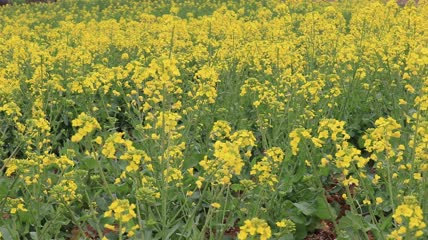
94 216
120 230
320 187
389 184
140 221
103 177
210 213
73 217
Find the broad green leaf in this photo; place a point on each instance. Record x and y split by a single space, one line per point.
193 160
4 187
6 235
34 236
89 162
305 207
324 210
351 221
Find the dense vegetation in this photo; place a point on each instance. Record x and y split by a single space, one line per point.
213 120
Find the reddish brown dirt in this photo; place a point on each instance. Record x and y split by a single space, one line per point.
326 233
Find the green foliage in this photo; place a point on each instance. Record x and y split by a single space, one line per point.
213 120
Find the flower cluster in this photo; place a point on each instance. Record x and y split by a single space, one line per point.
227 152
123 212
65 192
295 136
379 139
15 205
86 124
286 226
410 220
267 168
255 227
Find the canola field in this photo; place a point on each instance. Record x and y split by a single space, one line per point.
126 119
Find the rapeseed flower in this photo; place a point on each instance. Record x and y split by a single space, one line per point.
409 216
121 210
255 227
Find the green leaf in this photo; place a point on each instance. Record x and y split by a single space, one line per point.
193 160
173 230
300 172
305 207
34 235
6 234
102 203
301 231
387 223
287 237
351 221
89 162
4 187
324 210
237 187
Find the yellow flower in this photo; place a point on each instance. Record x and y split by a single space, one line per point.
281 224
221 130
417 176
86 124
351 180
199 182
98 140
215 205
419 233
155 136
243 138
110 227
253 227
266 168
402 101
296 136
287 226
317 142
409 88
410 215
402 230
376 179
65 191
325 161
16 205
121 210
125 56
